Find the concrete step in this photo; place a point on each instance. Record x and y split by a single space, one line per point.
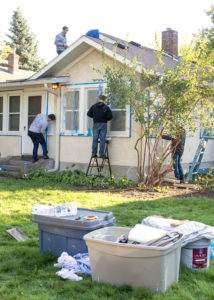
12 168
22 163
18 166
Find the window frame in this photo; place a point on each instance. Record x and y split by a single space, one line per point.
84 107
2 113
13 113
71 131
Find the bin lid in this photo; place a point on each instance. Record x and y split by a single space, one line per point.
78 221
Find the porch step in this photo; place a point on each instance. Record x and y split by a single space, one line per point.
19 166
10 167
19 163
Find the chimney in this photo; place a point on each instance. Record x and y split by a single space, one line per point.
13 62
170 41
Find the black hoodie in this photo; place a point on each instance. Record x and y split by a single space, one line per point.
100 113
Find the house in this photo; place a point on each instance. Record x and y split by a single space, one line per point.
67 86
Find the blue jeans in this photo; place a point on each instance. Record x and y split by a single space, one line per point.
179 174
59 51
99 131
38 138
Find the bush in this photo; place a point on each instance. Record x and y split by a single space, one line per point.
77 178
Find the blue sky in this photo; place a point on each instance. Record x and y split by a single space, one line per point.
139 19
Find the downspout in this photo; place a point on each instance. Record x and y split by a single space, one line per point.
57 145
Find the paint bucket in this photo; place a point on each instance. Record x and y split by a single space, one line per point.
196 255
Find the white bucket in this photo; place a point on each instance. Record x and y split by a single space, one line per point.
196 255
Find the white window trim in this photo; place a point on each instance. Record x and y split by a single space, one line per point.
8 113
3 112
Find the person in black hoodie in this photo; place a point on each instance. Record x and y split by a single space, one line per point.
177 152
101 114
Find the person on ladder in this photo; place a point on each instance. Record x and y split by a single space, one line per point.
177 152
101 114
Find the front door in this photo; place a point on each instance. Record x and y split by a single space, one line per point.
34 107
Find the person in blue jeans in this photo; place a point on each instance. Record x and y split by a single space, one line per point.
37 127
101 114
177 152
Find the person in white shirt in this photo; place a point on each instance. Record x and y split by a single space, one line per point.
36 130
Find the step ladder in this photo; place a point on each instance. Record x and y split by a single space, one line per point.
99 163
197 159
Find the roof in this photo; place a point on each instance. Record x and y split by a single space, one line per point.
145 56
34 82
6 75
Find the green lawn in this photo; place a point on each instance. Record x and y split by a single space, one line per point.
25 273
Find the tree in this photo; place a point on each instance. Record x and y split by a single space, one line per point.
4 51
209 32
24 42
178 97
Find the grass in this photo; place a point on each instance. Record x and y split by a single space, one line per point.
25 273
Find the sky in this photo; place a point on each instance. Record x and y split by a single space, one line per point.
136 20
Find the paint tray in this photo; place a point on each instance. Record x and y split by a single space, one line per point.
17 234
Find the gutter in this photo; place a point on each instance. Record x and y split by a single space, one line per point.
57 145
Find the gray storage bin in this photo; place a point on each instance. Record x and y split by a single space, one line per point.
58 234
154 268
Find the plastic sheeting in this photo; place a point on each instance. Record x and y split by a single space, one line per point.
191 231
71 265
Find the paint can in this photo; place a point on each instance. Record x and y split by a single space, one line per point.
212 249
196 255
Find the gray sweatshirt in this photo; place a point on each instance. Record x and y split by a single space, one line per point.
60 41
39 124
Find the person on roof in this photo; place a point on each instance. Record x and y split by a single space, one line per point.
101 114
36 130
61 40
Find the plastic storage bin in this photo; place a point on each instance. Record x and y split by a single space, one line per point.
154 268
196 255
58 234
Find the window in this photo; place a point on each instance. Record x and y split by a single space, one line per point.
71 111
1 113
76 103
92 97
118 123
14 113
34 108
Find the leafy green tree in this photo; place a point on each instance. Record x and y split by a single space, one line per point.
209 32
4 51
163 102
24 42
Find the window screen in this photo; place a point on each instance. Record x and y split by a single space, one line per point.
14 113
92 98
34 108
118 122
71 109
1 113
